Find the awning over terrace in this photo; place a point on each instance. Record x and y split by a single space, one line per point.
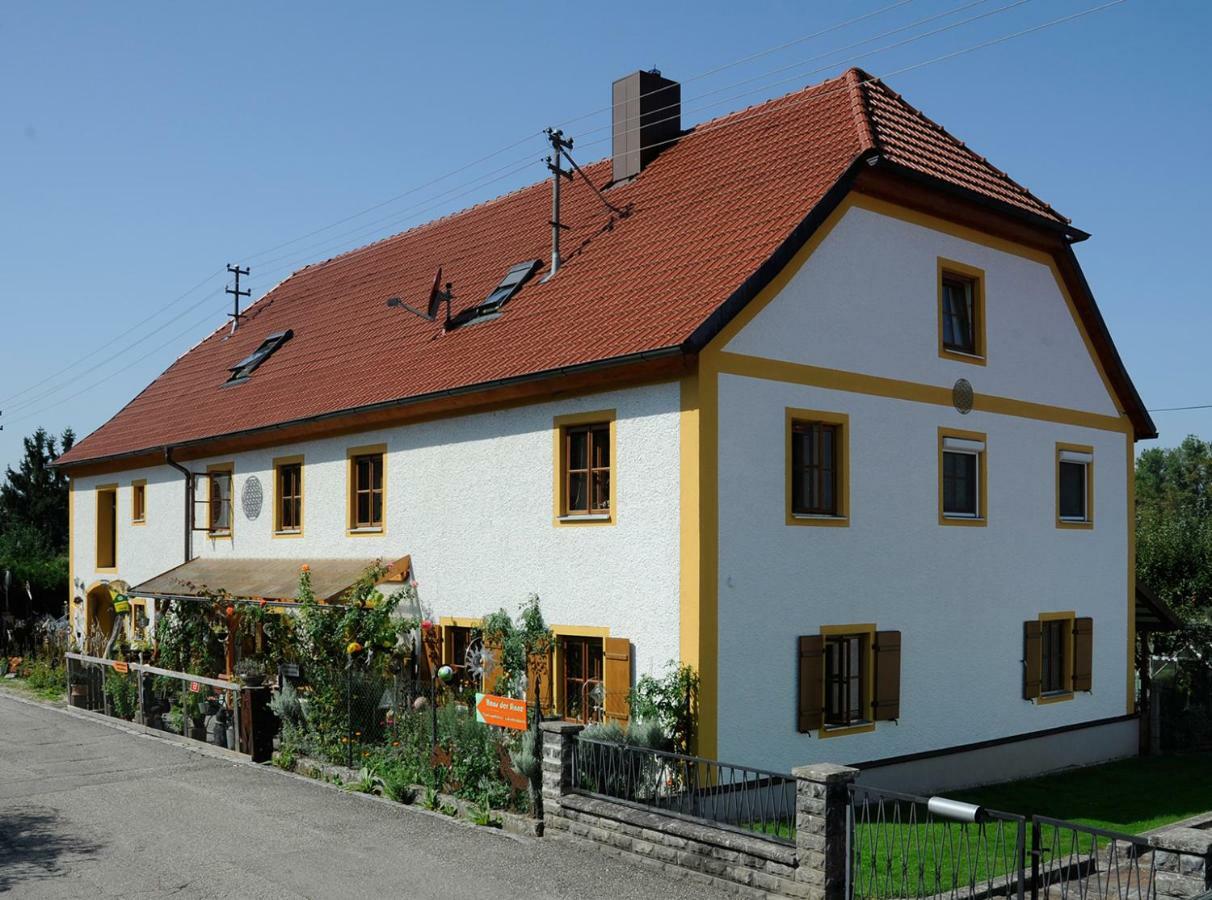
1152 614
271 579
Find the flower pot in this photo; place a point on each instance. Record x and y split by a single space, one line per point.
257 680
78 696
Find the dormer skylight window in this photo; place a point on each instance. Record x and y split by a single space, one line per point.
509 285
245 367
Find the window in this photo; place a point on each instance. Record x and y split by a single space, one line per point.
288 496
513 281
107 527
366 490
219 500
1074 486
961 312
849 678
584 466
1058 651
817 460
845 686
245 367
583 690
962 478
1054 676
138 502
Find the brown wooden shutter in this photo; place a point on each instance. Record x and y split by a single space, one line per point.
811 705
431 652
1032 661
448 635
616 677
497 654
1083 654
886 694
538 672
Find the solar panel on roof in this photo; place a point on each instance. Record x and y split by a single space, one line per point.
245 367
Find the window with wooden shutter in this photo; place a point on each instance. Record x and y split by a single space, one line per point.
886 695
493 672
616 676
1032 659
810 711
431 652
1083 654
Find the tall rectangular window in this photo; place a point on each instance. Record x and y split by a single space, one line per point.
962 477
961 312
288 497
814 468
138 502
107 527
366 491
587 469
1054 659
845 678
583 696
219 501
1074 485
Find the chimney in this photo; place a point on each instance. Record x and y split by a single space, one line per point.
647 119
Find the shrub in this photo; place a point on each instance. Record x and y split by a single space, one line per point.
47 679
671 701
122 692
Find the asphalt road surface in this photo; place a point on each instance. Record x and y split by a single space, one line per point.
90 811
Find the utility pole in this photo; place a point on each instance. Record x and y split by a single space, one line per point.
558 172
236 293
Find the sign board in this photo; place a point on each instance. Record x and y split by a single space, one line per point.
195 688
121 667
504 712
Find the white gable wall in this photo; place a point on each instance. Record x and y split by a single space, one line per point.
867 301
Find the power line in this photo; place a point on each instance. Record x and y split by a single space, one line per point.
1180 408
733 119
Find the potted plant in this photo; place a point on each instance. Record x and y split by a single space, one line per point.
251 671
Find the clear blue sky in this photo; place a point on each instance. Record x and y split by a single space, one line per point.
143 146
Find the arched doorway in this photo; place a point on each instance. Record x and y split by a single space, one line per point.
98 617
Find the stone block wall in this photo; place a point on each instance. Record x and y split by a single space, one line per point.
743 864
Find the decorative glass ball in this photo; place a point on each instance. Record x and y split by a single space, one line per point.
445 674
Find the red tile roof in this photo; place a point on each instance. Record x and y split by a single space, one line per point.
703 217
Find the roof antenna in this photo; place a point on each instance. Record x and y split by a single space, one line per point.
236 293
558 146
437 297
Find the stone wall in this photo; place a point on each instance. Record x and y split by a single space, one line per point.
749 865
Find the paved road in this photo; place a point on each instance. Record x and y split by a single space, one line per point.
90 811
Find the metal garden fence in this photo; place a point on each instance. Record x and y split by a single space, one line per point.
736 797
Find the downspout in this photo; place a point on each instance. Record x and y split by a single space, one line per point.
189 506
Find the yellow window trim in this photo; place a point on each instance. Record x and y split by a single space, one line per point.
1060 696
134 489
842 458
230 469
982 513
977 276
350 453
560 516
867 629
278 462
1088 524
97 491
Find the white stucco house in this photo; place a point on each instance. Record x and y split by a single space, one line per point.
823 407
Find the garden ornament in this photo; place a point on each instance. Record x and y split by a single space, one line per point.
445 674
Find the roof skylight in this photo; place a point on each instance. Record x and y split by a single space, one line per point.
509 285
245 367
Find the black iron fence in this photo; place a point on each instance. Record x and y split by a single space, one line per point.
716 793
905 846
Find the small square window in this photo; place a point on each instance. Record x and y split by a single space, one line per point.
219 502
366 491
1074 486
138 502
584 468
288 499
814 468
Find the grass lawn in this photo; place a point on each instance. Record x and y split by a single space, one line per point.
1131 795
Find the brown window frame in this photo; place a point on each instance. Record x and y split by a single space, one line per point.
841 672
1056 636
970 346
215 506
370 524
816 469
138 502
582 681
108 563
600 505
288 497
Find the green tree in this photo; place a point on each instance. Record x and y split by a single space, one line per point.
1174 526
35 493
